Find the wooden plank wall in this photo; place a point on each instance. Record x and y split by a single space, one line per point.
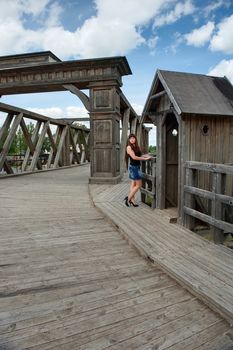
216 146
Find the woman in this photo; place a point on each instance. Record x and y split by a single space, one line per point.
134 153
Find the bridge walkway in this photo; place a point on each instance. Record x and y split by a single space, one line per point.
69 280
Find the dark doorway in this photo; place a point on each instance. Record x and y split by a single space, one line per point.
171 165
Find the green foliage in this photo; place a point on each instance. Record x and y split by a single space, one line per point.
19 144
152 149
46 145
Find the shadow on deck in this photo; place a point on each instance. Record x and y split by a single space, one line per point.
204 268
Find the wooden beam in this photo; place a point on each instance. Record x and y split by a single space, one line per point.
72 120
84 154
38 147
6 125
133 126
29 141
216 207
212 221
34 140
211 167
53 151
9 139
53 76
83 97
159 94
209 195
60 145
189 200
50 136
74 151
124 135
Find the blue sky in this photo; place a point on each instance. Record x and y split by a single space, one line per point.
188 35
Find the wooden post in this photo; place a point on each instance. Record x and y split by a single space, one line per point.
153 161
189 200
65 155
216 207
139 134
60 146
124 136
38 147
105 133
133 126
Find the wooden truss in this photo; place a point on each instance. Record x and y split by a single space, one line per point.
68 143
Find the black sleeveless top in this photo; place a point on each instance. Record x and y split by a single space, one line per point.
135 162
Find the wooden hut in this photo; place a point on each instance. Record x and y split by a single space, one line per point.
194 118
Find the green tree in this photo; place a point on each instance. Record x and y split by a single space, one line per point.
152 149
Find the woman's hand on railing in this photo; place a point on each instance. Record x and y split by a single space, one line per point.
146 156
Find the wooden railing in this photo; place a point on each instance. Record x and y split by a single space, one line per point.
219 194
68 144
148 189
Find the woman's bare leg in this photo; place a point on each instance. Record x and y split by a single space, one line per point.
135 188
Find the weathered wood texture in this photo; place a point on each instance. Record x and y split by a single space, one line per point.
68 144
105 137
70 281
52 76
209 140
201 266
44 72
217 217
200 108
148 189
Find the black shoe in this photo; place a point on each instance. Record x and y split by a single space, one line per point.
126 201
133 204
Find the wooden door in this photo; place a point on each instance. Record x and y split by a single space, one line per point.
171 165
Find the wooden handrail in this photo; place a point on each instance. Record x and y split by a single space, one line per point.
149 181
217 196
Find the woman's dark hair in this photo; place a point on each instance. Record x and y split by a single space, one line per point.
135 147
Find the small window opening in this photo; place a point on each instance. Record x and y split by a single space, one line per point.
205 130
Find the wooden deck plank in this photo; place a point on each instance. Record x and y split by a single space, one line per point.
68 280
204 268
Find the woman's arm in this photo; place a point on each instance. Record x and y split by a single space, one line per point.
131 153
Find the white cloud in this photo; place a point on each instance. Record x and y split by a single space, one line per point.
111 31
151 43
215 5
54 15
67 112
76 112
222 40
51 112
138 108
199 37
223 68
180 10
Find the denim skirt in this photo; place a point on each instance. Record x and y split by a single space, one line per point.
134 172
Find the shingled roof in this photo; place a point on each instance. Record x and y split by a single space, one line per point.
194 93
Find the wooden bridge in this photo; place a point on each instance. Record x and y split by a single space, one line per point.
70 279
